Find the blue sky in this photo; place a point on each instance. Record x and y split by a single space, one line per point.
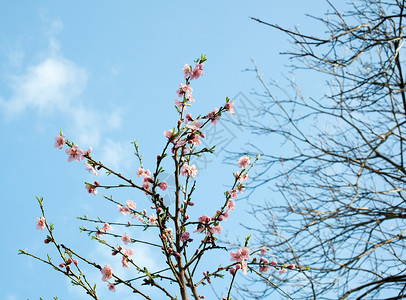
106 73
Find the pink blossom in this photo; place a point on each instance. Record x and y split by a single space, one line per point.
244 267
241 188
188 118
194 139
41 223
88 151
179 104
282 271
143 173
127 253
146 185
184 88
90 168
111 287
106 227
59 141
241 177
75 153
126 239
163 185
197 71
230 204
204 219
152 219
131 204
91 189
168 133
241 255
263 250
213 117
216 229
124 210
185 236
243 162
189 170
234 193
107 272
263 260
264 269
245 253
230 107
196 125
186 71
180 143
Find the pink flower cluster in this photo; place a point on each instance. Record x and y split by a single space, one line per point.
59 141
195 73
189 170
107 272
241 256
91 188
127 254
40 223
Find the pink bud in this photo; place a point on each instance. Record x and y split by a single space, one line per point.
70 261
273 263
232 271
61 265
67 268
96 183
75 261
238 266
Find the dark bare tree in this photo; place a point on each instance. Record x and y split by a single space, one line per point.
342 175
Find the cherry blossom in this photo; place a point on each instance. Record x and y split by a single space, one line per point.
106 227
230 107
197 71
90 168
40 223
74 153
59 141
131 204
213 117
91 189
111 287
196 125
185 236
152 219
126 239
186 71
124 210
189 170
163 185
243 162
107 272
127 253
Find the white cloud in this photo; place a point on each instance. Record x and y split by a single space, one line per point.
48 86
117 155
54 87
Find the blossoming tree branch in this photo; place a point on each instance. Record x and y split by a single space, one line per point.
176 232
